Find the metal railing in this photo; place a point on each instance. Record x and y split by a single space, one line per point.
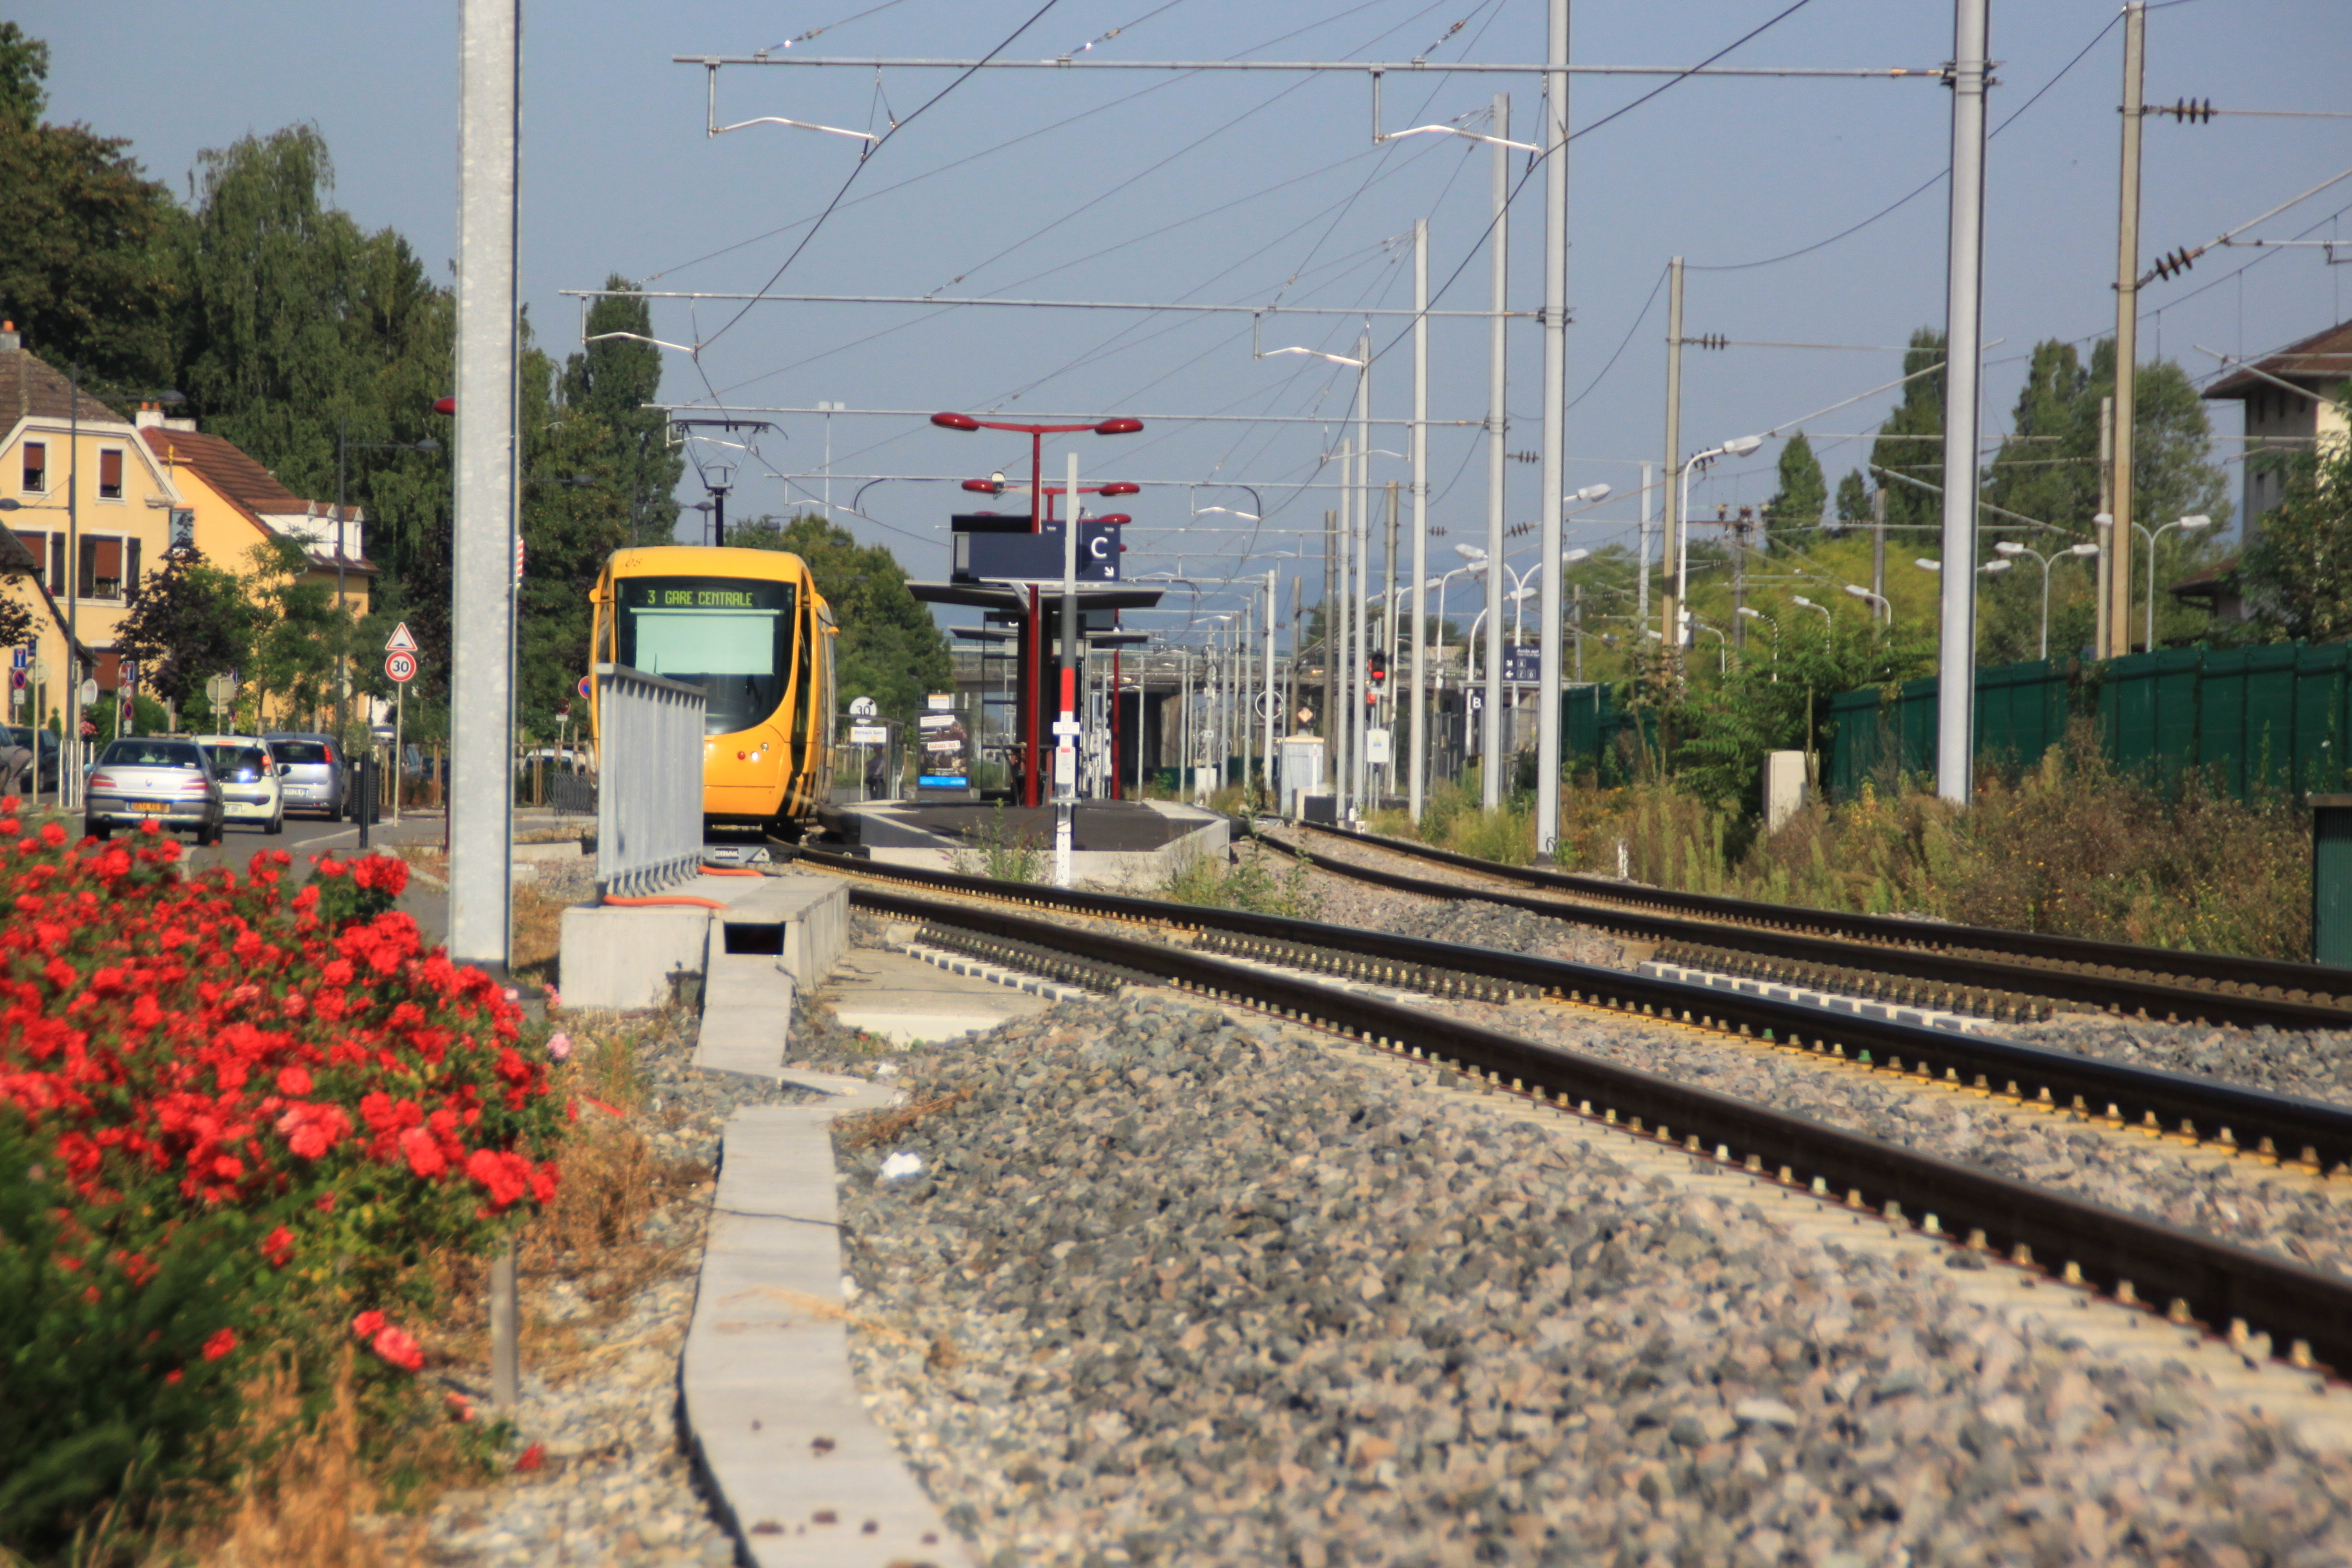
649 795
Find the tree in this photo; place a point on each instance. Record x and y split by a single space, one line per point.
1794 512
185 623
299 636
889 649
2298 571
614 381
2047 469
1910 441
84 269
1853 499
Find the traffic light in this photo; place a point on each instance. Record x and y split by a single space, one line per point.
1377 667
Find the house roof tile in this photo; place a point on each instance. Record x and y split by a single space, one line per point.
30 386
2320 360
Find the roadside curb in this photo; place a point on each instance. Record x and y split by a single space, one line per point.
797 1469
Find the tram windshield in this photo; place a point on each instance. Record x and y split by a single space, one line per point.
730 636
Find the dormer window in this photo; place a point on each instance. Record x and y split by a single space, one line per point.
36 467
110 460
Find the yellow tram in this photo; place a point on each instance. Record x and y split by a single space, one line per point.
749 628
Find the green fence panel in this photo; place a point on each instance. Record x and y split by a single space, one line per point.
2221 720
1917 710
1855 736
2319 705
2270 716
2020 713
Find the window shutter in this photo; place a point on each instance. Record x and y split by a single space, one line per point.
86 569
131 568
110 472
36 465
57 563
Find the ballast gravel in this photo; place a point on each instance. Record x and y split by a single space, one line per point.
1169 1287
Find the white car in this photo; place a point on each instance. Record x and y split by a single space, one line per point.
248 773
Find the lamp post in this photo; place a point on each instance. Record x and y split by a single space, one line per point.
1881 605
2010 547
1803 603
2189 524
1754 614
1034 647
1738 446
1722 644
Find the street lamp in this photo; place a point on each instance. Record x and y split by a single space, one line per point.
1884 605
2010 547
1737 446
1722 645
1806 604
1754 614
2189 524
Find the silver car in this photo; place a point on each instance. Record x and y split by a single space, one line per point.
311 772
151 779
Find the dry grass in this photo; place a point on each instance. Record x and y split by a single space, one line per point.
309 1499
538 935
879 1127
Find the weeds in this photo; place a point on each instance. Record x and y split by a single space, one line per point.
999 853
1244 883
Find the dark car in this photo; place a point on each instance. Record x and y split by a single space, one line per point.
149 778
314 773
47 751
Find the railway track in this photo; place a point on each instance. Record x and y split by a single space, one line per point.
2193 1279
2002 974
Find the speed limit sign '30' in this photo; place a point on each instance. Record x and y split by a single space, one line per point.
400 666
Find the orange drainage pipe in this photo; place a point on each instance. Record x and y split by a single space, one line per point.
672 898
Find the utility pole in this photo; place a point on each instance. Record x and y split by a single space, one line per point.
1066 726
1363 543
1878 506
1330 648
1390 634
2127 332
1555 406
1669 625
1298 629
482 612
1576 613
1273 574
1963 359
1739 578
2106 509
1417 772
1344 659
1490 734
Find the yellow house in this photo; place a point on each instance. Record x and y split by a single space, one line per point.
234 504
92 505
148 485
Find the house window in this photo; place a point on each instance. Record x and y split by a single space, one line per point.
107 568
183 528
36 467
110 473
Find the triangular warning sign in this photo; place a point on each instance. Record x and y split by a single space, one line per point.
400 641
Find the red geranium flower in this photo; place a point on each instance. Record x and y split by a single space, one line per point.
220 1344
398 1348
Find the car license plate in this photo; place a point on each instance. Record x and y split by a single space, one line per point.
150 808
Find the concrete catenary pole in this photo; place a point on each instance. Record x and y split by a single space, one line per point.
481 831
1342 717
1417 775
1669 627
2105 592
1641 578
1363 548
1490 733
1273 575
2127 325
1555 454
1964 353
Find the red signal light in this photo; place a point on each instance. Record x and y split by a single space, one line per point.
955 421
1118 427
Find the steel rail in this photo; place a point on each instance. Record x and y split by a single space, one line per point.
2290 981
2200 1280
1962 972
2313 1133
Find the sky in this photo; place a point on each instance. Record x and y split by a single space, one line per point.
1255 188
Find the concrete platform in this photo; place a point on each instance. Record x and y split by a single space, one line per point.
629 958
908 1001
1115 844
796 1465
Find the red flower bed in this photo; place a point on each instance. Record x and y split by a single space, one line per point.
179 1051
